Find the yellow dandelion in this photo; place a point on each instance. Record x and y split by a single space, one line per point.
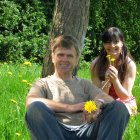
90 106
24 81
134 109
112 61
13 101
27 63
18 134
137 73
29 84
5 63
9 73
108 57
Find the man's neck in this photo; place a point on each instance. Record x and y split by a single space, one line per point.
63 77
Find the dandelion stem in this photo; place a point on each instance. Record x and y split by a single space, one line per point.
105 84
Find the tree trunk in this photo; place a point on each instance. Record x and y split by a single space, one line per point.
70 18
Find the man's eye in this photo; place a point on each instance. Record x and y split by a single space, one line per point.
70 56
60 54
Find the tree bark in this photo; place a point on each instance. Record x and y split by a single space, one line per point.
70 18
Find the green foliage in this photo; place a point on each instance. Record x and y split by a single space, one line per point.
119 13
25 26
23 30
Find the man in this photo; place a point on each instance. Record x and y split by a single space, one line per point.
55 104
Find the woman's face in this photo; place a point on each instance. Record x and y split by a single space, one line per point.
113 49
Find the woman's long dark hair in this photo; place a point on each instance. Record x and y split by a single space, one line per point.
112 35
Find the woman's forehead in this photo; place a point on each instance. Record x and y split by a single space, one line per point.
119 43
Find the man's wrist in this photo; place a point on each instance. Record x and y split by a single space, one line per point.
100 103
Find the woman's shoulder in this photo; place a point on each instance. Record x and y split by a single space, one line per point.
131 63
94 62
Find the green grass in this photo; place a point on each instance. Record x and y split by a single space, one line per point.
13 91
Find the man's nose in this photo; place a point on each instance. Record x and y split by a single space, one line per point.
65 57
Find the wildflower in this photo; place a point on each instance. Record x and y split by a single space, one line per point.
27 63
29 84
108 57
5 63
90 106
112 61
18 134
13 101
24 81
134 110
137 72
9 72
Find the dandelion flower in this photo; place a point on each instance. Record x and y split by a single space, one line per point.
13 101
112 61
134 110
27 63
137 73
24 81
29 84
108 57
18 134
9 72
5 63
90 106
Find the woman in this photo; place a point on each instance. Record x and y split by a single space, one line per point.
114 70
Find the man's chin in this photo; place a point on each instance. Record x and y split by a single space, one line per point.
64 70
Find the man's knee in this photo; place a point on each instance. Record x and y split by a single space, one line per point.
35 109
119 109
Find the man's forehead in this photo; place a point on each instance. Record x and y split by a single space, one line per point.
61 49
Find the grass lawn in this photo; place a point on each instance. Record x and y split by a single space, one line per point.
16 80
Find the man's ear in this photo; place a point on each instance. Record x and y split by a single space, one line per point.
52 55
77 60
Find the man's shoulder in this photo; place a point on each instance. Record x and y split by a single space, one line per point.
40 82
83 80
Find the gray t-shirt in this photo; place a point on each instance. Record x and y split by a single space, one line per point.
70 92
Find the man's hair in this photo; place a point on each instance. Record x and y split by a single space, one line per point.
65 41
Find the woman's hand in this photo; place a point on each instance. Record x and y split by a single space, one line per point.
112 73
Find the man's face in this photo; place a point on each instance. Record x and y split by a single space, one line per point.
64 60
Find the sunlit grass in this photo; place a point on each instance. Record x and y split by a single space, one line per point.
16 80
12 94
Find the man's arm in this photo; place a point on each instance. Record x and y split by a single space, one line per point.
102 99
56 106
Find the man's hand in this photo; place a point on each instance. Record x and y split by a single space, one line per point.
90 117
